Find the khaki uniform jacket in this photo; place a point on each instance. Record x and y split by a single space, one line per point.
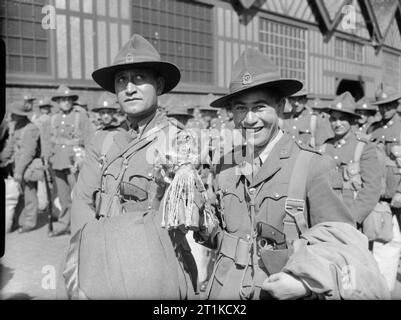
272 183
386 136
62 135
299 128
368 195
154 263
23 145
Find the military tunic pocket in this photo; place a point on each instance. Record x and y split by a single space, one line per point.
234 207
271 208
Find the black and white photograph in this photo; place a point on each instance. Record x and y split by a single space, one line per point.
201 151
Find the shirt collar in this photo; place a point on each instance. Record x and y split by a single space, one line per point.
266 151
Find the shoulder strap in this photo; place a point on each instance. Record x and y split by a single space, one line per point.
294 221
53 120
313 124
358 151
76 123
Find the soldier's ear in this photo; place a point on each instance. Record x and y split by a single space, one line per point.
280 107
160 85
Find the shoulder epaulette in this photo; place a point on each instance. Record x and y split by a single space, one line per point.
176 123
363 137
307 148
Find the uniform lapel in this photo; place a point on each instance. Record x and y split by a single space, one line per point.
272 165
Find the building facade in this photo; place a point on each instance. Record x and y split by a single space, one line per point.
330 45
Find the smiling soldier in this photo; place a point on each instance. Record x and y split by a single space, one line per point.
284 232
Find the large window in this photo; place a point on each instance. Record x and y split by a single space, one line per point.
391 68
182 32
348 50
27 43
286 45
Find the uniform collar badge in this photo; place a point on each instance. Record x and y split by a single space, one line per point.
129 58
246 78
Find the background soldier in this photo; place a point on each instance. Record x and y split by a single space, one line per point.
108 108
387 133
67 132
180 115
357 165
368 114
303 124
22 148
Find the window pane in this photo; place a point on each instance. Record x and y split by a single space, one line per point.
285 44
28 64
15 63
176 28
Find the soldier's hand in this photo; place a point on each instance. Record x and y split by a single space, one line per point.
283 286
396 201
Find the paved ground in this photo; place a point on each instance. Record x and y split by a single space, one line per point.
29 268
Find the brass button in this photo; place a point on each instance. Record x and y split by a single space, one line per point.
248 237
62 122
63 146
252 190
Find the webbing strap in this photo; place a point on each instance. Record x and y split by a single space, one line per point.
358 151
294 221
313 123
76 124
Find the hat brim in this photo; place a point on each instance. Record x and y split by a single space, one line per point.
331 109
97 109
207 109
104 77
287 87
73 96
180 114
388 100
21 113
366 109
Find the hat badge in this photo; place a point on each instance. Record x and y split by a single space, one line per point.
129 58
246 78
364 105
384 95
105 104
339 105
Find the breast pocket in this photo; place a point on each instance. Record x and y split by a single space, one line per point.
272 202
110 176
336 178
234 207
